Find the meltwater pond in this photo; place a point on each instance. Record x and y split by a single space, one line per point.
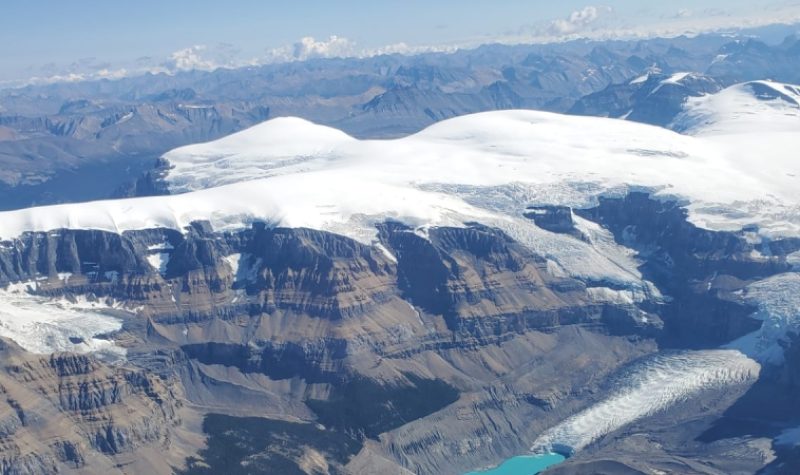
523 465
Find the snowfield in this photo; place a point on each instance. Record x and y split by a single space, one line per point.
293 173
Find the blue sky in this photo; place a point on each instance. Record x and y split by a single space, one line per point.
56 37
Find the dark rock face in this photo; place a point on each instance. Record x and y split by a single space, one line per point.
73 252
366 408
317 273
556 219
150 183
791 371
484 283
655 100
471 276
695 267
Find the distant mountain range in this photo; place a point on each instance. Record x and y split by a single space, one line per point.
57 138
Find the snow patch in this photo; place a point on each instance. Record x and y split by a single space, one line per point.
619 297
233 261
386 252
164 246
44 326
673 79
244 266
159 261
719 58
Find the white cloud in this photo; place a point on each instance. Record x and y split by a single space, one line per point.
309 47
188 59
577 21
592 23
340 47
333 47
406 49
112 73
67 77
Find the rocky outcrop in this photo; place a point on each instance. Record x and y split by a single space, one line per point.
557 219
320 274
487 285
62 410
68 252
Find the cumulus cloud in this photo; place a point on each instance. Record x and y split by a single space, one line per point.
197 57
577 21
309 48
333 47
187 59
340 47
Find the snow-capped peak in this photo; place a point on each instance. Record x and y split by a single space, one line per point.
252 153
747 108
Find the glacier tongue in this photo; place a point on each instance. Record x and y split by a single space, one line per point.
649 387
660 381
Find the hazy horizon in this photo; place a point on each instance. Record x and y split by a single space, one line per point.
113 40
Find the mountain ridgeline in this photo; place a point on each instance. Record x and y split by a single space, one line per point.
68 142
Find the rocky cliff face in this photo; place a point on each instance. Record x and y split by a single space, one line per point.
422 348
67 412
696 267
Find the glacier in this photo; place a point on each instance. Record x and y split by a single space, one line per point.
657 382
645 389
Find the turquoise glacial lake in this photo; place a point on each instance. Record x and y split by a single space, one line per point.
523 465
